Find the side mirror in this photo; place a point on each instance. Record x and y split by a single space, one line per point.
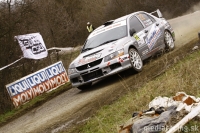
159 13
132 32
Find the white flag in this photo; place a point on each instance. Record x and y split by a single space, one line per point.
32 46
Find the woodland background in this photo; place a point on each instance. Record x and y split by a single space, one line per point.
62 23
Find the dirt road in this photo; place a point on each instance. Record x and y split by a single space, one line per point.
74 106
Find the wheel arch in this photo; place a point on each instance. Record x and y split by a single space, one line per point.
168 31
132 46
135 61
171 32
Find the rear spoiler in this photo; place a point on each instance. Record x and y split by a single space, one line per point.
158 13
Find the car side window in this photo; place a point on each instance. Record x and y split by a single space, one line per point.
146 20
152 19
135 24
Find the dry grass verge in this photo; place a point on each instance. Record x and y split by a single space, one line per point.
179 73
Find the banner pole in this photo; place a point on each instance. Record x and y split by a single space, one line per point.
11 64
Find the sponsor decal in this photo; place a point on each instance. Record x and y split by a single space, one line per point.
140 38
47 79
104 29
153 36
136 37
89 59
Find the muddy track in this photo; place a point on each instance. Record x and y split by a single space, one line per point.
74 107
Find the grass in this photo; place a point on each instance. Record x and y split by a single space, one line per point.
37 101
183 76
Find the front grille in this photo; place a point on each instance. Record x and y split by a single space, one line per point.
92 64
92 75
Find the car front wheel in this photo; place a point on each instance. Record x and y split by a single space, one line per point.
135 60
169 42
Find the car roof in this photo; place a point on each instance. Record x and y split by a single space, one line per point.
110 22
119 19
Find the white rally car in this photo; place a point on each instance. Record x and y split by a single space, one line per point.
121 44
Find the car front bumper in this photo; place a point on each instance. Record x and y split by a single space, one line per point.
100 71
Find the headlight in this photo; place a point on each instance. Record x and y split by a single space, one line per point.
114 55
71 71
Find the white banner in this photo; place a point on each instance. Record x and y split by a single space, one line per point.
32 46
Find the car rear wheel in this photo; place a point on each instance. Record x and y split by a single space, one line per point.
84 87
169 42
135 60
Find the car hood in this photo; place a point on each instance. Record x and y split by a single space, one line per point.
98 52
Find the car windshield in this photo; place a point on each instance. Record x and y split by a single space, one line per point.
105 37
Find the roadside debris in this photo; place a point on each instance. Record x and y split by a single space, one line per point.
187 118
164 115
195 48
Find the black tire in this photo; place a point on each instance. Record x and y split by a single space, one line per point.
135 60
84 87
169 41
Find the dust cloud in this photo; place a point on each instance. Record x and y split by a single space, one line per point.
193 9
173 14
186 27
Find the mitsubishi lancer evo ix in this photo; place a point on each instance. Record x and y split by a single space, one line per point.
121 44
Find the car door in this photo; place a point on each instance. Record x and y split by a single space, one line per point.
152 32
138 34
